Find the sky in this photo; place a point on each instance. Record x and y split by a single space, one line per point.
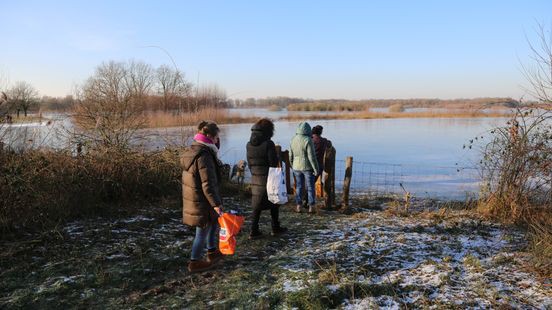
309 49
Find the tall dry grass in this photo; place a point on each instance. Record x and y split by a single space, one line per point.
361 105
169 119
383 115
327 106
40 188
540 244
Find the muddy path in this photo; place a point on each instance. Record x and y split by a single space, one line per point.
433 256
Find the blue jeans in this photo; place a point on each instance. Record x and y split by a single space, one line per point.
300 177
211 234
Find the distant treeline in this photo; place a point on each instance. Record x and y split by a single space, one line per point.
57 103
302 104
147 88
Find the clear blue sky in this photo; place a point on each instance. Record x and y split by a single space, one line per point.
312 49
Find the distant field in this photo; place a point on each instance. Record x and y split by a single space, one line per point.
168 119
365 105
381 115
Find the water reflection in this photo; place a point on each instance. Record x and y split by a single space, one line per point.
47 133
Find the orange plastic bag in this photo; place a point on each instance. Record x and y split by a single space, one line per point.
319 187
230 225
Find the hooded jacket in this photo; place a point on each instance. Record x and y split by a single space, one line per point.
261 155
302 153
200 185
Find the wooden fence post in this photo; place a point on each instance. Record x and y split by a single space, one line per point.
332 178
347 182
329 177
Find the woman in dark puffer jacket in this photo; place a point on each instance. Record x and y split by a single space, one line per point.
261 154
201 195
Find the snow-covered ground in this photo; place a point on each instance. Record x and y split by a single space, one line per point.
434 259
458 261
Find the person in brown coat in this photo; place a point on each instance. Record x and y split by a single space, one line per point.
202 202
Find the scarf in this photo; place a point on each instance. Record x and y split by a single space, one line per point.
203 139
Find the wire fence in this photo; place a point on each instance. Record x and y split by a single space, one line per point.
370 178
419 180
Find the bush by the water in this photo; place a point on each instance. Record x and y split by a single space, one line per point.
517 175
396 108
40 187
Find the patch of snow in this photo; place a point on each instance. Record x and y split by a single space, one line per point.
385 302
293 286
333 288
139 218
116 256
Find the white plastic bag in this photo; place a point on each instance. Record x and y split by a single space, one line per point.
276 186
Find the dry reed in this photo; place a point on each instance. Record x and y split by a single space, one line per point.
169 119
382 115
40 188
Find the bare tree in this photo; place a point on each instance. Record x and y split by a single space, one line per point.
212 96
109 110
4 82
517 162
57 103
172 87
3 104
4 116
22 96
539 74
140 78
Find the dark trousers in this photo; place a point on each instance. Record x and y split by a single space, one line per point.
259 203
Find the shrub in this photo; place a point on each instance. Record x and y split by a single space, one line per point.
517 180
274 108
517 167
40 188
396 108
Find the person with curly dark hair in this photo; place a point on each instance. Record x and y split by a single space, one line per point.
261 155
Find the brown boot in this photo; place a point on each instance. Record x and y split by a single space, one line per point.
199 266
214 256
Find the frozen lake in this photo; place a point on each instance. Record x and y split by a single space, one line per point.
425 155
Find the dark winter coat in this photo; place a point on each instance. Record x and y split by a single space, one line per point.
261 154
320 146
200 185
